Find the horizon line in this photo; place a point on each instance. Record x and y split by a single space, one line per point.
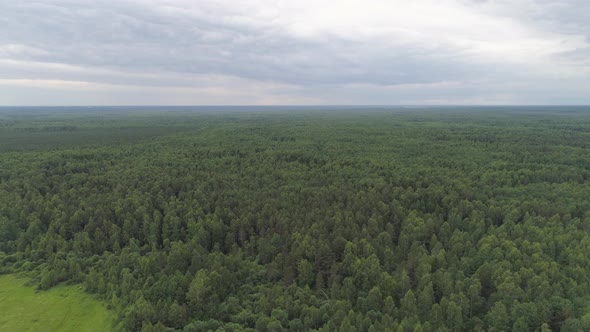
313 105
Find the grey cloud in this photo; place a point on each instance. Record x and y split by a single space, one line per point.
135 38
118 42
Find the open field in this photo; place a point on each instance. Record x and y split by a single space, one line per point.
62 308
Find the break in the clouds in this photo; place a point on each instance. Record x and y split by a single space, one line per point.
77 52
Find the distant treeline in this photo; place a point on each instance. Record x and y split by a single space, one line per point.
57 128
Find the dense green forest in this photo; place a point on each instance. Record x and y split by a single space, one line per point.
455 219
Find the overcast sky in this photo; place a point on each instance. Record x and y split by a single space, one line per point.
205 52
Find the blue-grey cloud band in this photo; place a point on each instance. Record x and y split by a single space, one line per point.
295 52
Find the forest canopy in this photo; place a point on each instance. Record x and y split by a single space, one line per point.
455 219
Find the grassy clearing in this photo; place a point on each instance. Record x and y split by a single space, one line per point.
62 308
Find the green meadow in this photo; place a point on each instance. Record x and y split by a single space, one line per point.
62 308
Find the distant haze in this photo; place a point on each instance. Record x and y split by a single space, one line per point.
262 52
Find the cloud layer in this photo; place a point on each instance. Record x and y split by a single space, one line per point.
68 52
